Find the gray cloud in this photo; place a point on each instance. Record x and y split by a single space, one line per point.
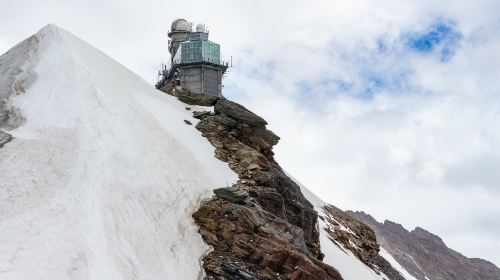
480 172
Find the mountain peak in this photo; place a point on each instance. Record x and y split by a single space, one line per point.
51 30
51 26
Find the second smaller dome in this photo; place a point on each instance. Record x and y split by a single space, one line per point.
201 28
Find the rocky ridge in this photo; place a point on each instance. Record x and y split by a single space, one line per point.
425 255
262 227
14 80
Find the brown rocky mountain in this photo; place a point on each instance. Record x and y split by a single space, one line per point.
425 255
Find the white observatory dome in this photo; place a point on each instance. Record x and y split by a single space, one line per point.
200 28
181 25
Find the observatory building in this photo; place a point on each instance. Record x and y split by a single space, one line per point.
195 61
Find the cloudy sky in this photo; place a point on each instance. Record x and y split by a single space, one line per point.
391 107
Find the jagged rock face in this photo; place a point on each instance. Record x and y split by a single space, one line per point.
358 238
246 148
251 243
424 254
273 233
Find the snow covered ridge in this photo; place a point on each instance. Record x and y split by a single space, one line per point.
103 175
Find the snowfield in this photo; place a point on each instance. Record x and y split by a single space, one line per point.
102 178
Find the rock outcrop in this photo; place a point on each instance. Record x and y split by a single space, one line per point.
251 243
424 254
233 195
238 113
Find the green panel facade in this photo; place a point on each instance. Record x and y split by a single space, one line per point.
198 51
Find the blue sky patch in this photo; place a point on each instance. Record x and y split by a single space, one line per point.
441 37
382 45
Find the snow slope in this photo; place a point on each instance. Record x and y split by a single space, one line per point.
396 265
101 179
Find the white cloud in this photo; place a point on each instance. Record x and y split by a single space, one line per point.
422 152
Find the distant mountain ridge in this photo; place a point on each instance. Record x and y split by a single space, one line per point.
424 255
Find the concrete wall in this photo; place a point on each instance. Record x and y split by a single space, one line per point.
202 79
